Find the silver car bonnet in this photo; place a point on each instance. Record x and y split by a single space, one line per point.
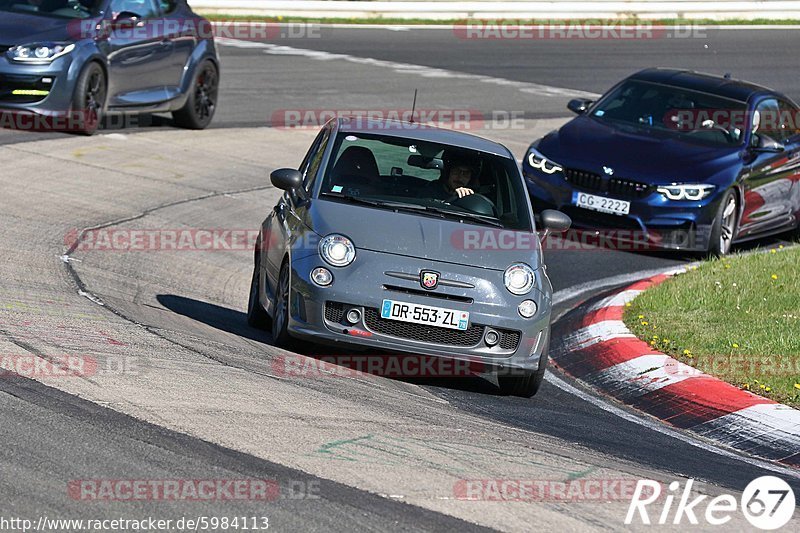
427 237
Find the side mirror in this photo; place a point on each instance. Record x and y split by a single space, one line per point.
767 145
579 105
287 179
555 221
125 20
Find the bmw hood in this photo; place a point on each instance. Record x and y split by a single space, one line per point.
16 28
652 156
436 239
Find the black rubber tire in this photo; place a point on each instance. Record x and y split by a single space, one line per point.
201 102
526 385
715 247
89 100
257 317
281 310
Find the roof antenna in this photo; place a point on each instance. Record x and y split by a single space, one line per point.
413 107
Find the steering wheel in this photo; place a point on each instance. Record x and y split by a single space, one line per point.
716 127
477 203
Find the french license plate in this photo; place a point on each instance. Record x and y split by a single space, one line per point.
601 203
424 314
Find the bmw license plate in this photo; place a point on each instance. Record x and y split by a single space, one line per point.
424 314
601 203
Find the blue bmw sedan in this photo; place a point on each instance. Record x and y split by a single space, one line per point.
674 159
64 64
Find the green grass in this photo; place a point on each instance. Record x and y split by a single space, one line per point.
737 318
507 20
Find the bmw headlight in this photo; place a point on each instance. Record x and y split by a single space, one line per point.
519 279
538 161
39 52
690 192
337 250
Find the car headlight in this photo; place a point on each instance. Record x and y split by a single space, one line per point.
519 279
691 192
337 250
39 52
538 161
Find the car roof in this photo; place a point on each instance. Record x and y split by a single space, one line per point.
700 81
421 132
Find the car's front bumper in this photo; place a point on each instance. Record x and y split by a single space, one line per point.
28 91
319 314
654 222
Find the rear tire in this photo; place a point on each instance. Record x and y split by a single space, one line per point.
256 316
201 102
89 99
723 230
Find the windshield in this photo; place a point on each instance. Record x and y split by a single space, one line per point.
66 9
691 115
430 179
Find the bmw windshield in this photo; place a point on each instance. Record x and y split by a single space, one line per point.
401 174
67 9
690 115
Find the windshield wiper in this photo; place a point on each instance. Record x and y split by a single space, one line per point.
382 203
475 217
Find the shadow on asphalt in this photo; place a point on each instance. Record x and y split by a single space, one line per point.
235 322
216 316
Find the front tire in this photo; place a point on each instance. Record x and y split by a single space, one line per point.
256 316
89 99
201 102
723 230
526 385
280 314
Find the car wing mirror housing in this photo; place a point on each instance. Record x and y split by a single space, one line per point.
125 20
767 144
555 221
287 179
579 105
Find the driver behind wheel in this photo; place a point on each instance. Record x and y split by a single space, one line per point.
458 178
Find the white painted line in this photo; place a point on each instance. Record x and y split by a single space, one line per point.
659 427
617 300
771 425
597 333
640 376
408 68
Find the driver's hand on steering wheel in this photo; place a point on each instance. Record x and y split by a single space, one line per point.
461 192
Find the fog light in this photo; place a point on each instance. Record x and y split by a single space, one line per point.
353 316
527 308
491 338
322 276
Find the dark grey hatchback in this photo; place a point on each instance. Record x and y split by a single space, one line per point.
411 239
66 63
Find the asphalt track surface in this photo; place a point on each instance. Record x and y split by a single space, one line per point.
206 402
